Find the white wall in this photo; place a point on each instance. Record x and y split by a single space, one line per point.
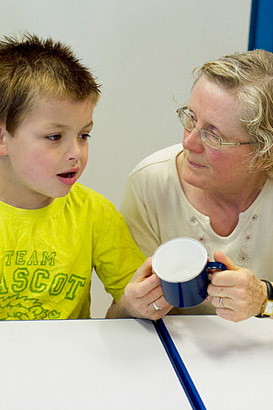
143 52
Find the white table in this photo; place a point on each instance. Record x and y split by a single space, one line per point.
86 364
229 363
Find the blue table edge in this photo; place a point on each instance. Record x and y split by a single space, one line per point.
178 365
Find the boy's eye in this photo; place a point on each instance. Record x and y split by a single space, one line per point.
54 137
57 137
84 137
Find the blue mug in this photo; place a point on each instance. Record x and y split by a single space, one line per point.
182 267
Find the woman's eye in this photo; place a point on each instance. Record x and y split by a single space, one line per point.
192 116
84 137
55 137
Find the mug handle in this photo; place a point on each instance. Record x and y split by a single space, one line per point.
216 265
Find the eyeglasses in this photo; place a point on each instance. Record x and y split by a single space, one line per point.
207 137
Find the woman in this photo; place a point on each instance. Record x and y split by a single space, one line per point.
218 187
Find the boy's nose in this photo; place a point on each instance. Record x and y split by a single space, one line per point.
73 151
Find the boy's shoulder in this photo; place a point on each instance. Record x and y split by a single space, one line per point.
87 196
93 207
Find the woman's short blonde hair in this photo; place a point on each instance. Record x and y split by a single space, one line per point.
249 76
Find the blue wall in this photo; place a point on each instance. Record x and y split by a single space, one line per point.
261 25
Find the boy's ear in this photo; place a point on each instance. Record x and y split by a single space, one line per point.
3 139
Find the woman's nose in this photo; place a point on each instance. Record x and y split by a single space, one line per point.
192 140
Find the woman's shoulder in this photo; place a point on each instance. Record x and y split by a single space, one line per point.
266 194
158 158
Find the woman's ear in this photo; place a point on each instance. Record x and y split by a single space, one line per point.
3 139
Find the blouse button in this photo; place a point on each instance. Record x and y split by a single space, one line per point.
193 220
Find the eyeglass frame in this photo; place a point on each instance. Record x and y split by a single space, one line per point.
203 132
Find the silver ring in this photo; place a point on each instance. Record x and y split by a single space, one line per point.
221 303
156 307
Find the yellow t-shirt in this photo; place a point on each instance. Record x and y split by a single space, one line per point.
47 256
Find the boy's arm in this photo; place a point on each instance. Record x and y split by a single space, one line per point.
139 295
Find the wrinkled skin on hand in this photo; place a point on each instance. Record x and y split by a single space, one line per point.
241 291
139 295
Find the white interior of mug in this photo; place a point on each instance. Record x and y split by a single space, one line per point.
179 259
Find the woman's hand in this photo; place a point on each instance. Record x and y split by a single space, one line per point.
139 296
239 291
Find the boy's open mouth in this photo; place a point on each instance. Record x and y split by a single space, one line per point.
67 174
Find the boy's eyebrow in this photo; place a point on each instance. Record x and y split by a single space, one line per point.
58 125
90 124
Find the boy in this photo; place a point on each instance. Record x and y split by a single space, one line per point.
54 231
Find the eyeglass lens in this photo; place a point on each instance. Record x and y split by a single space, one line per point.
188 123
